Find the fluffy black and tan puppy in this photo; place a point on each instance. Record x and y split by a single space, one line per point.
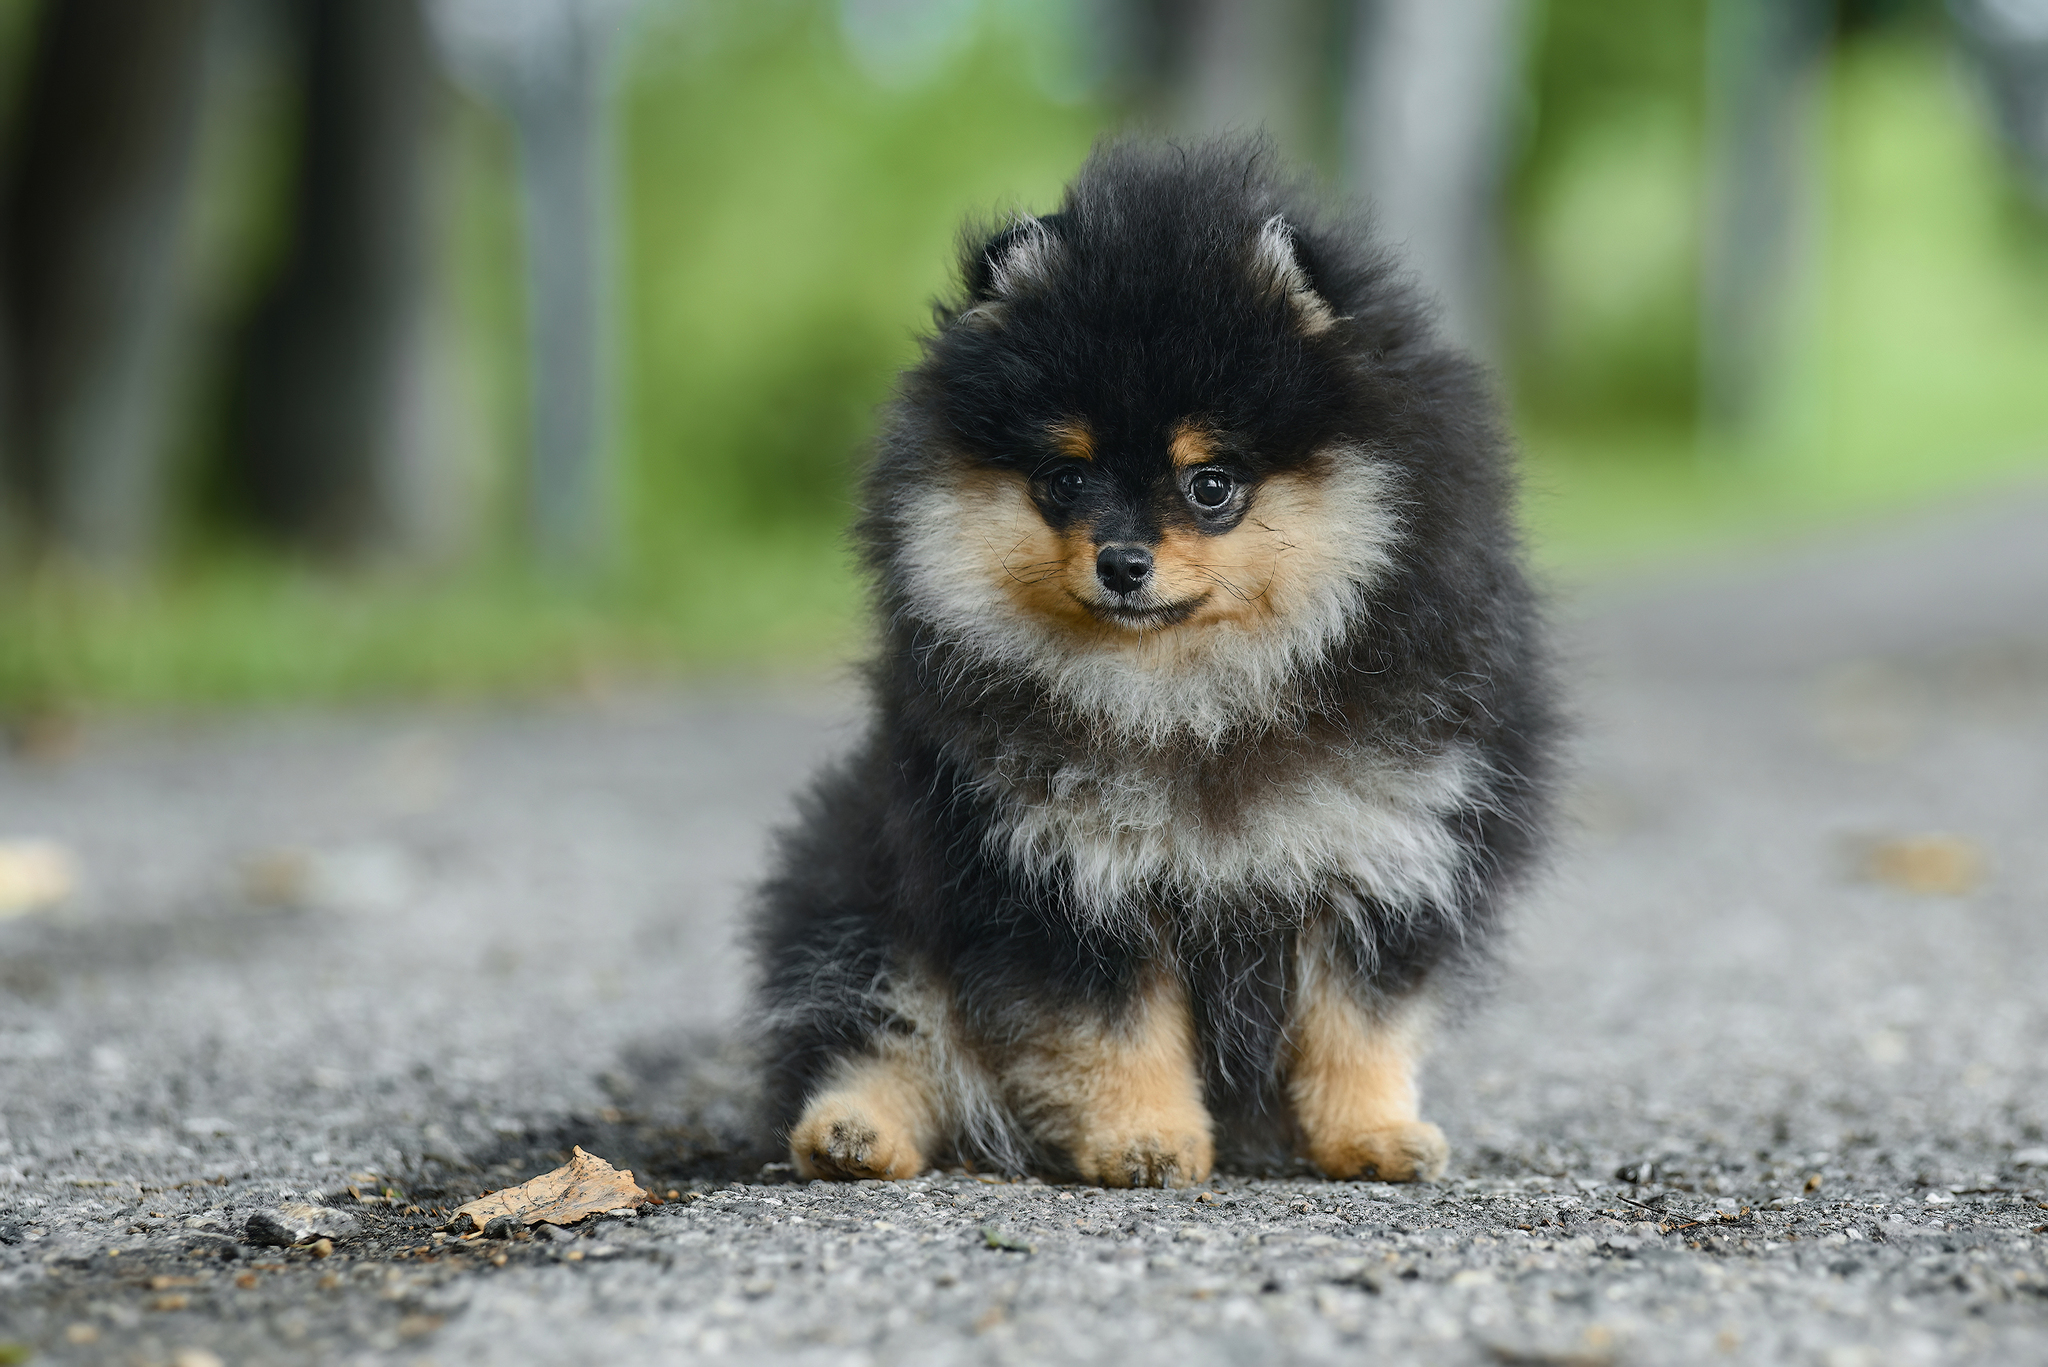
1209 725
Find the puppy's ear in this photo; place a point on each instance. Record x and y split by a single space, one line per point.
1276 260
1016 260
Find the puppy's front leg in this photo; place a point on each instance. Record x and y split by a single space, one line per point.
890 1109
875 1117
1120 1096
1352 1084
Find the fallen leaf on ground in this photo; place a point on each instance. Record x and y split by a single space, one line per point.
34 874
1934 865
585 1185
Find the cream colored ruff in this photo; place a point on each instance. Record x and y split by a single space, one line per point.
1352 821
1121 821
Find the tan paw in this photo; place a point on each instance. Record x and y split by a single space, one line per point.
1414 1151
1145 1160
842 1142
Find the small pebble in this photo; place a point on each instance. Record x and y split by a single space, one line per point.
34 874
299 1223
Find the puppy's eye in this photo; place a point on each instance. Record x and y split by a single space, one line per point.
1211 489
1065 486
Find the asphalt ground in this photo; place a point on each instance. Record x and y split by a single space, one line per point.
1766 1078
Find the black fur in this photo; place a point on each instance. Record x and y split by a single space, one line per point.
1153 311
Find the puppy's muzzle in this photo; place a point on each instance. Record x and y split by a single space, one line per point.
1123 568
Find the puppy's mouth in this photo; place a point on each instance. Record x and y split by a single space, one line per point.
1140 611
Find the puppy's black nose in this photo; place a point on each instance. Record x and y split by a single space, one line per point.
1123 569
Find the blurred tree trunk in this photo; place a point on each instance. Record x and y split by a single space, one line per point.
1763 64
563 117
1433 94
1254 64
549 64
327 448
2009 41
93 240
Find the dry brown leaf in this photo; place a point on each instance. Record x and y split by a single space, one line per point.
585 1185
1935 865
34 874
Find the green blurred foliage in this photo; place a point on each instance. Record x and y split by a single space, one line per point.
1605 215
1924 333
16 20
787 223
790 223
788 217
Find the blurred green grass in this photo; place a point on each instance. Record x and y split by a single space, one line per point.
787 222
1921 373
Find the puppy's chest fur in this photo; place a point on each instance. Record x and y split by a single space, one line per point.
1278 823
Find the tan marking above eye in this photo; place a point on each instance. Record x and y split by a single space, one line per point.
1192 445
1072 439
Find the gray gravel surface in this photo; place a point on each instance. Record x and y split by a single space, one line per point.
1742 1097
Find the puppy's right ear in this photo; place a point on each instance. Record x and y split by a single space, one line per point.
1278 258
1015 261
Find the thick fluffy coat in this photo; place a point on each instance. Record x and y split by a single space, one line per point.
1209 723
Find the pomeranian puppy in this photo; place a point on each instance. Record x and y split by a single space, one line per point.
1209 717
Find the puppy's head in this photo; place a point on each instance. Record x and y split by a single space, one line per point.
1138 439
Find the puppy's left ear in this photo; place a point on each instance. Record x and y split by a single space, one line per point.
1275 258
1016 260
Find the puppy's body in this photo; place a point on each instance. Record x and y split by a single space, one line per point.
1209 722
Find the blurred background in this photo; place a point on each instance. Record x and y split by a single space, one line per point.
485 347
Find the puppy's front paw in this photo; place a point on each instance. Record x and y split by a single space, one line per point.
1145 1159
1413 1151
840 1140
